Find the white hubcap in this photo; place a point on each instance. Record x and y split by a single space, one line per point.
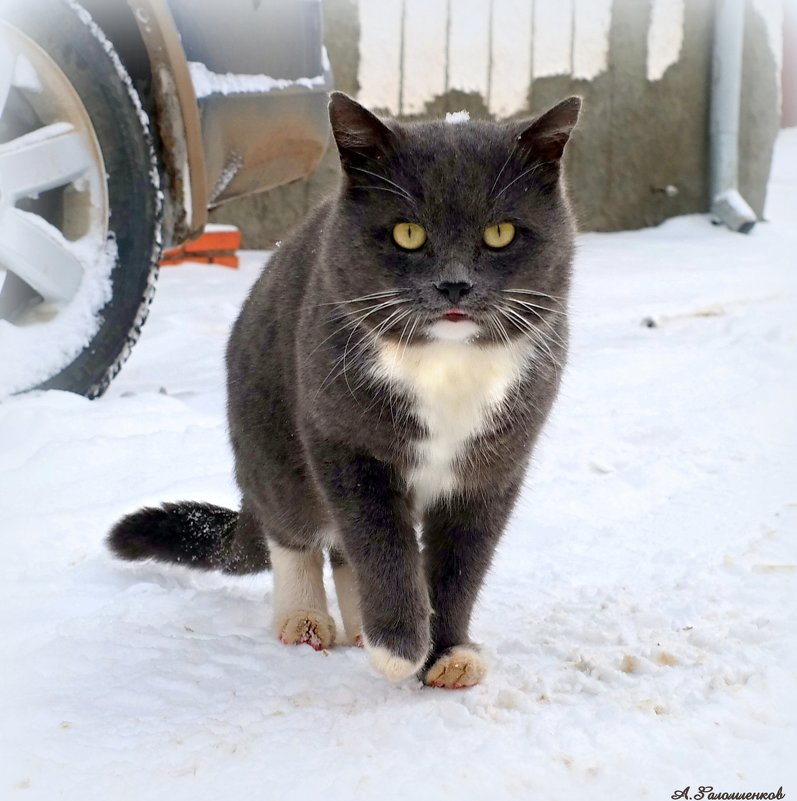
50 146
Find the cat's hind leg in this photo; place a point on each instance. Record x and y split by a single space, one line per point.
300 602
348 597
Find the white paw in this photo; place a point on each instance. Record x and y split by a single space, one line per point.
390 665
316 629
462 666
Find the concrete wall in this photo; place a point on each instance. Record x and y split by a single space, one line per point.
642 66
788 117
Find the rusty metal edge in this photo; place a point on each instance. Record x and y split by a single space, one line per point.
177 119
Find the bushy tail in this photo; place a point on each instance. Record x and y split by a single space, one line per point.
197 535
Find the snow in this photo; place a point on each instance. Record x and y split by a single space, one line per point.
457 117
207 82
123 75
54 334
32 353
219 228
638 618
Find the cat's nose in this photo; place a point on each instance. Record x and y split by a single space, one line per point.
454 290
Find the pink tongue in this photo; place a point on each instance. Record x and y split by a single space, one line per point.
455 315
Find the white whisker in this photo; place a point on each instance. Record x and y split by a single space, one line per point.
401 189
554 298
535 336
386 189
372 296
503 166
522 175
547 323
357 323
370 337
364 312
536 306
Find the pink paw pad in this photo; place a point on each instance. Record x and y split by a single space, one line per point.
308 638
307 631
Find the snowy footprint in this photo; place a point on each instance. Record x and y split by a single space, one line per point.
459 667
315 628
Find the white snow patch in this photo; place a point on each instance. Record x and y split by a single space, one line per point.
51 345
121 73
234 163
638 615
457 117
53 335
665 36
213 83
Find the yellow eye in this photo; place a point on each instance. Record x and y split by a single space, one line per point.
409 236
499 235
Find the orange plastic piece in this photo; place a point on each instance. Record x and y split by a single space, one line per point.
216 245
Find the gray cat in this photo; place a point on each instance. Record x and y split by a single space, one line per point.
387 378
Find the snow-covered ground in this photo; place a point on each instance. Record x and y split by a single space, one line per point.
639 617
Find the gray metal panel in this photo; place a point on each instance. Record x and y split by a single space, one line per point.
256 140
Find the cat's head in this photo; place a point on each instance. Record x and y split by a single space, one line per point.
445 230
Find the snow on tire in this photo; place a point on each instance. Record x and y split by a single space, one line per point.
80 203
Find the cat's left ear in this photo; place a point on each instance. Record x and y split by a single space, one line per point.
358 134
546 137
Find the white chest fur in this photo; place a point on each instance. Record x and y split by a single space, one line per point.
457 387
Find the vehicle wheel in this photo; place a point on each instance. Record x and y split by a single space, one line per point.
80 202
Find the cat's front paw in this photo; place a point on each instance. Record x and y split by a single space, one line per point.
457 668
391 665
398 653
315 628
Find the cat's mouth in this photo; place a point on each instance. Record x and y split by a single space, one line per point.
455 315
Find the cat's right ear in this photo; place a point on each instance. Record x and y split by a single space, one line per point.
359 135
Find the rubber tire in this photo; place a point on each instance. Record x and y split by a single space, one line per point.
87 59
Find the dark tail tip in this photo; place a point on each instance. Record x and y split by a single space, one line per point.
194 534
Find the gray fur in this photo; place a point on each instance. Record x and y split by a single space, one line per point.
321 443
